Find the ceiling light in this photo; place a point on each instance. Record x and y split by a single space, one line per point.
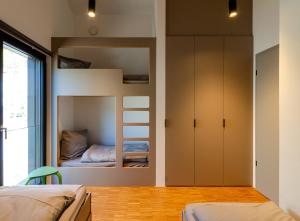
232 7
92 8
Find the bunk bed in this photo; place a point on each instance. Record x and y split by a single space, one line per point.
133 160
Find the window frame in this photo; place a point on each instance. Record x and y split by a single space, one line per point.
31 51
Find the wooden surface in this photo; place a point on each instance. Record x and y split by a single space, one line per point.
238 111
180 66
160 204
209 111
203 17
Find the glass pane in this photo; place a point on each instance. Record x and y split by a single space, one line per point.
18 114
136 102
22 113
136 131
136 116
15 156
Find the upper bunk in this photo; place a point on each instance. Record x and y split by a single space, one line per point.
125 61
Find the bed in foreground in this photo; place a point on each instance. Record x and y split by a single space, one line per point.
45 202
234 212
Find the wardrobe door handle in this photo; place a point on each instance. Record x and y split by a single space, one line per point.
224 123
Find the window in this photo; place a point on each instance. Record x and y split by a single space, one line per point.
22 144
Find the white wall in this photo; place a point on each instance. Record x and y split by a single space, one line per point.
289 107
265 24
110 25
98 115
265 35
38 19
133 61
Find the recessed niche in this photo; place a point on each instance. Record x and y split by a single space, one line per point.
136 153
135 131
136 102
136 117
97 115
134 62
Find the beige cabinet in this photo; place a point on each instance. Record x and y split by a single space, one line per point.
209 111
180 110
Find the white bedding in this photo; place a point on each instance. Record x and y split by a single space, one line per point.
46 202
234 212
72 211
76 163
99 154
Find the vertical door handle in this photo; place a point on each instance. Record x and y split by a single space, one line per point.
5 131
195 123
224 123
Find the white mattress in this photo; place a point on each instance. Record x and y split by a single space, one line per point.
230 211
76 163
71 212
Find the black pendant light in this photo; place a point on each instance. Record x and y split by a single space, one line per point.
92 8
232 7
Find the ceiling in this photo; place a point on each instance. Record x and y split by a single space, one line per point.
114 6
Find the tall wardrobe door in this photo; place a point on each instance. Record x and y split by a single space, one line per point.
238 77
180 70
209 111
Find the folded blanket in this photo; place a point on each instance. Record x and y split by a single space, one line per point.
136 147
32 203
98 154
240 212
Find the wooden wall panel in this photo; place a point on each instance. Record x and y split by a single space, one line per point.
180 69
203 17
238 111
209 111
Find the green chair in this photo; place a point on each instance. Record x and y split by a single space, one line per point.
42 173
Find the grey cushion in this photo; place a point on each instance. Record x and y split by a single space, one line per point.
73 144
64 62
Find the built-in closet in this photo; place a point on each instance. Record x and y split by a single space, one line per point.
209 111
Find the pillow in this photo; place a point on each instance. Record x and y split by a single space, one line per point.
73 144
64 62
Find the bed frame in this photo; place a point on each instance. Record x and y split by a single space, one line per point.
84 213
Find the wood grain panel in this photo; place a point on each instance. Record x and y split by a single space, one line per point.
203 17
209 111
159 204
180 70
238 111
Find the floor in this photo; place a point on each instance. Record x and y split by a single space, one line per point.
159 204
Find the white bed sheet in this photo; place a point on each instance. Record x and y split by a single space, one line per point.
250 211
188 213
71 212
76 163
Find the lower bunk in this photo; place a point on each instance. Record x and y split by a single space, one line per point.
268 211
134 155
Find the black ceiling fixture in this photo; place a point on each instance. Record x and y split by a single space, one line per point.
92 8
232 7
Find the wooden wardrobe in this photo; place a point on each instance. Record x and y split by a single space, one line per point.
209 111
